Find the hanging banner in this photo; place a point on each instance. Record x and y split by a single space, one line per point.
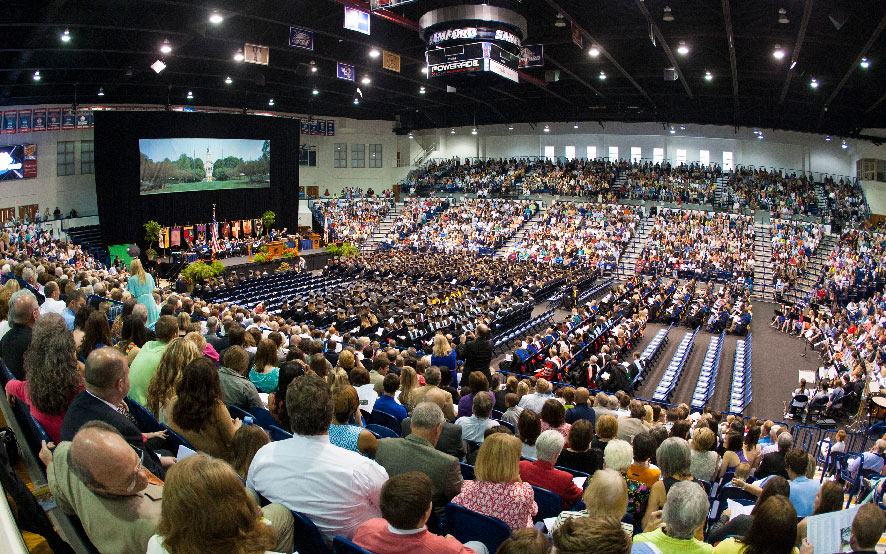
256 53
321 127
235 229
188 235
314 128
305 126
53 120
24 121
532 55
10 122
69 119
345 72
247 227
301 38
577 37
92 119
175 236
226 229
390 61
330 128
82 120
385 4
38 120
356 20
163 239
29 161
201 233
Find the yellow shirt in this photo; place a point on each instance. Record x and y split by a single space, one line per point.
732 546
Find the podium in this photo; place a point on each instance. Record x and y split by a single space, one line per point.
315 238
275 249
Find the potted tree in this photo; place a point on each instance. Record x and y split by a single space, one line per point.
267 219
152 235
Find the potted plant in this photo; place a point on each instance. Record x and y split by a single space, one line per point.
268 218
152 234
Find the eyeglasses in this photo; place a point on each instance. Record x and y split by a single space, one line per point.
138 468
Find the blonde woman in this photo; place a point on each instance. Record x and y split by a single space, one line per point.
497 490
177 355
408 384
337 378
443 356
141 286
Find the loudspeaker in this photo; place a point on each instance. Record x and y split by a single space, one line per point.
670 74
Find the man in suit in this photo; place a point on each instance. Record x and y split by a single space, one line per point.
773 463
25 311
219 343
581 409
450 440
477 354
107 383
633 424
417 451
433 376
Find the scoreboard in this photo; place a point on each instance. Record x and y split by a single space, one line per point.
473 57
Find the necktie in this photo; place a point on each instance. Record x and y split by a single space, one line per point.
124 410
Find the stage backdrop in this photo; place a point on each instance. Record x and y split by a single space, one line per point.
123 211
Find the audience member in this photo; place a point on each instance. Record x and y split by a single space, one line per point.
24 311
683 515
144 366
450 441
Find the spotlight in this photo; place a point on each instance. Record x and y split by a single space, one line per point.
374 53
271 102
708 76
668 15
190 95
547 129
673 131
228 80
421 90
166 48
813 83
778 53
215 18
474 131
101 91
783 16
365 80
602 76
844 146
158 66
238 55
594 52
37 75
865 63
682 48
66 36
315 92
828 139
451 131
313 65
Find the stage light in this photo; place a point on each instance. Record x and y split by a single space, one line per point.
101 91
158 66
271 102
374 53
215 18
365 80
315 92
828 139
682 48
667 15
594 52
313 65
66 36
813 83
37 76
778 53
228 80
238 55
190 95
865 63
844 146
708 76
602 76
421 90
166 48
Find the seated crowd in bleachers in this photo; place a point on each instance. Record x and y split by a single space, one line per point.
414 213
351 219
472 176
793 244
580 233
782 194
845 201
693 183
577 177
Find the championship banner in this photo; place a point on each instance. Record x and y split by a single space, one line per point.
532 55
69 119
321 127
305 126
390 61
82 120
24 121
314 127
577 37
38 120
10 122
345 72
356 20
330 128
301 38
53 120
29 161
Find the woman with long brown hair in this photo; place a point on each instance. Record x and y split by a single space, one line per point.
728 526
773 530
177 355
96 334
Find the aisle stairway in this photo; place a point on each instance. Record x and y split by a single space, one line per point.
627 266
817 266
381 230
505 250
764 269
721 193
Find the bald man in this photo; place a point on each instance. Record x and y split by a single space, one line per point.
23 313
450 440
581 409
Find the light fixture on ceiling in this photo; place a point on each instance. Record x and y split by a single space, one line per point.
238 55
374 53
313 66
190 95
708 76
158 66
37 76
561 21
411 136
216 18
547 129
673 131
864 63
828 138
228 80
451 131
667 15
166 48
575 126
315 92
594 51
421 90
682 127
682 48
813 83
778 53
783 16
424 69
510 127
760 136
356 100
65 36
365 80
271 102
793 64
844 146
474 131
101 91
602 76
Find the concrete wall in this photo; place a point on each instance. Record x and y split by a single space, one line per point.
875 192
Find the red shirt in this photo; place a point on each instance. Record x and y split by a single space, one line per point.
542 474
375 535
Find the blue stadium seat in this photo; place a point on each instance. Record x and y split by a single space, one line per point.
308 539
466 525
341 545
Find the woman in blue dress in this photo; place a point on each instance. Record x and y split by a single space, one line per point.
141 286
346 430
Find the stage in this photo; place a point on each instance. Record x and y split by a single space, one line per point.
315 258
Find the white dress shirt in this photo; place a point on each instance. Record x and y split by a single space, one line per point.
473 427
336 488
51 306
534 401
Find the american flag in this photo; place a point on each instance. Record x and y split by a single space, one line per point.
214 231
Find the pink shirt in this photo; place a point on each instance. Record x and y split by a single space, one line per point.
376 535
513 503
52 424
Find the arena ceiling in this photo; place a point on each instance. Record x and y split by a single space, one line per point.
113 43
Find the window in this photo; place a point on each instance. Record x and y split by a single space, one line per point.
636 153
340 155
358 155
65 158
570 152
681 156
704 157
87 157
307 155
657 155
613 153
592 152
549 153
375 155
727 161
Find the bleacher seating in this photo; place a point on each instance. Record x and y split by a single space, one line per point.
90 238
742 393
707 379
672 375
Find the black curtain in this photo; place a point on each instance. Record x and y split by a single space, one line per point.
123 211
